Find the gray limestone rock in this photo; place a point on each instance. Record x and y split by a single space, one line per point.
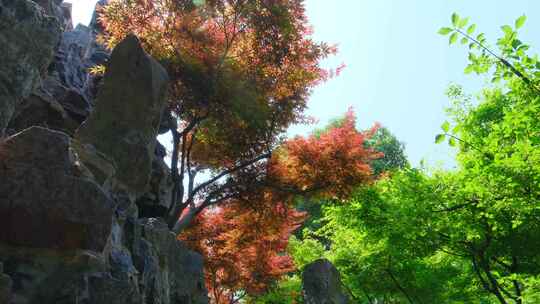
48 199
156 202
28 37
321 284
170 273
127 115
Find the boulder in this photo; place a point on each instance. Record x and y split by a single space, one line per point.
67 16
125 121
48 198
103 289
48 276
67 92
28 37
321 284
42 109
170 273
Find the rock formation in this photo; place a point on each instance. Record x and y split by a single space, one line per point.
321 284
48 198
128 111
72 225
27 40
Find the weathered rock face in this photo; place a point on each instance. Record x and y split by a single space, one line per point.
321 284
64 99
44 183
70 230
27 40
125 123
61 11
157 200
162 260
50 276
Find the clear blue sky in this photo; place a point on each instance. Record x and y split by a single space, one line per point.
397 66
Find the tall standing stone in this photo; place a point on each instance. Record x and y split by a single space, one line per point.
125 121
28 38
321 284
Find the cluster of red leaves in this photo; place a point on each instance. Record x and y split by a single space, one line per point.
244 248
329 164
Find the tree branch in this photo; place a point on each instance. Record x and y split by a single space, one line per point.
229 171
399 286
505 62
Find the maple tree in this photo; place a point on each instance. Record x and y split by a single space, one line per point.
241 72
244 242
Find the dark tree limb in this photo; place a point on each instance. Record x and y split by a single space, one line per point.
396 282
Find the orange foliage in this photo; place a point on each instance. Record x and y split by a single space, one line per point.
330 164
244 248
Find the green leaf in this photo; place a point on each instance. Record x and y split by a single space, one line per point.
481 37
439 138
453 38
471 29
507 29
452 142
516 43
455 19
463 22
445 30
469 69
445 126
520 21
464 40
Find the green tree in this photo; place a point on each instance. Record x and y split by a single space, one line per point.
493 205
470 235
394 152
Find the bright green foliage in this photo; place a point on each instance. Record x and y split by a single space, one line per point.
511 60
498 187
287 291
471 235
385 246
